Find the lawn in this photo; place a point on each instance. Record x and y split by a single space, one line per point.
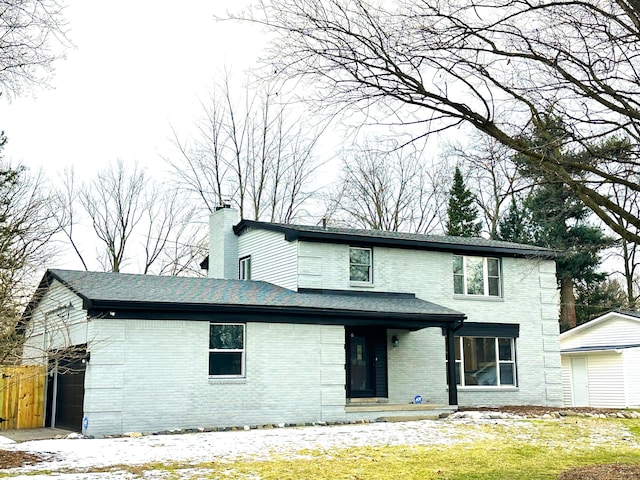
516 451
509 450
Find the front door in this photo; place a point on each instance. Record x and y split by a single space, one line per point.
366 362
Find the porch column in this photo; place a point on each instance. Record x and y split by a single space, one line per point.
451 366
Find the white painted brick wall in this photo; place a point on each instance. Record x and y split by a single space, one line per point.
223 244
417 366
165 384
530 299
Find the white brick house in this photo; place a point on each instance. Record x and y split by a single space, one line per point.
302 324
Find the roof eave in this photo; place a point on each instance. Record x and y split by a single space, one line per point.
292 234
115 308
597 321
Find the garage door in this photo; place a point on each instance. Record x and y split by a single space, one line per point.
67 386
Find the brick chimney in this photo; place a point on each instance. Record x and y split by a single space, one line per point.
223 243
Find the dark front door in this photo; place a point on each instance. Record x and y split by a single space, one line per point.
366 363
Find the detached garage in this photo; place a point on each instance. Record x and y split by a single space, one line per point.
600 361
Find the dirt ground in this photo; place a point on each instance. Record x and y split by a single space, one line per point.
614 471
536 411
9 459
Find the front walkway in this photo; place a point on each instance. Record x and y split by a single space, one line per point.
28 434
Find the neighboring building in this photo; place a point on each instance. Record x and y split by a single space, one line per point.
600 362
302 324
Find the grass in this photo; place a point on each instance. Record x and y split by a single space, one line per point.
524 450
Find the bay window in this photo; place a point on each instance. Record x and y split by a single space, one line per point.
485 361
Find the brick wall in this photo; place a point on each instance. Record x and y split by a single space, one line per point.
418 364
153 375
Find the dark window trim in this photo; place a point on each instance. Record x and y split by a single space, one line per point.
477 329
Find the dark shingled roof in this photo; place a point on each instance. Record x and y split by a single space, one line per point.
104 292
476 245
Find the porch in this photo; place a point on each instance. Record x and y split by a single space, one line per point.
381 410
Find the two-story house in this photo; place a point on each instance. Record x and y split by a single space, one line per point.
300 324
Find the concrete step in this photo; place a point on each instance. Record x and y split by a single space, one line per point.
395 407
398 412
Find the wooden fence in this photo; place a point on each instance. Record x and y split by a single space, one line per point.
22 396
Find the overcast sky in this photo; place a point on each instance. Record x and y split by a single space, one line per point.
137 68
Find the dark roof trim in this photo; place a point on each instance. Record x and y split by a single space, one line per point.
226 313
292 233
477 329
188 308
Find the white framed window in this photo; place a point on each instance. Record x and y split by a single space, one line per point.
485 361
479 276
360 265
226 350
244 268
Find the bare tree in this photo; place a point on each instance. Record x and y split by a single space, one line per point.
629 252
385 187
252 149
495 65
27 226
491 175
30 33
114 202
134 219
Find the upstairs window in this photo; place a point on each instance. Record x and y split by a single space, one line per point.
226 350
244 268
360 265
476 276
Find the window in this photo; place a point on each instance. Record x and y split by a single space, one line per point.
476 276
360 265
485 361
226 350
244 268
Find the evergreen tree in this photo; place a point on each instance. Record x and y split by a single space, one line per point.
559 220
595 298
514 226
462 213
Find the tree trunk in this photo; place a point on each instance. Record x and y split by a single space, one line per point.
567 303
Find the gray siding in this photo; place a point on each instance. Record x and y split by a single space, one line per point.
273 259
567 392
615 331
57 323
631 359
606 380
